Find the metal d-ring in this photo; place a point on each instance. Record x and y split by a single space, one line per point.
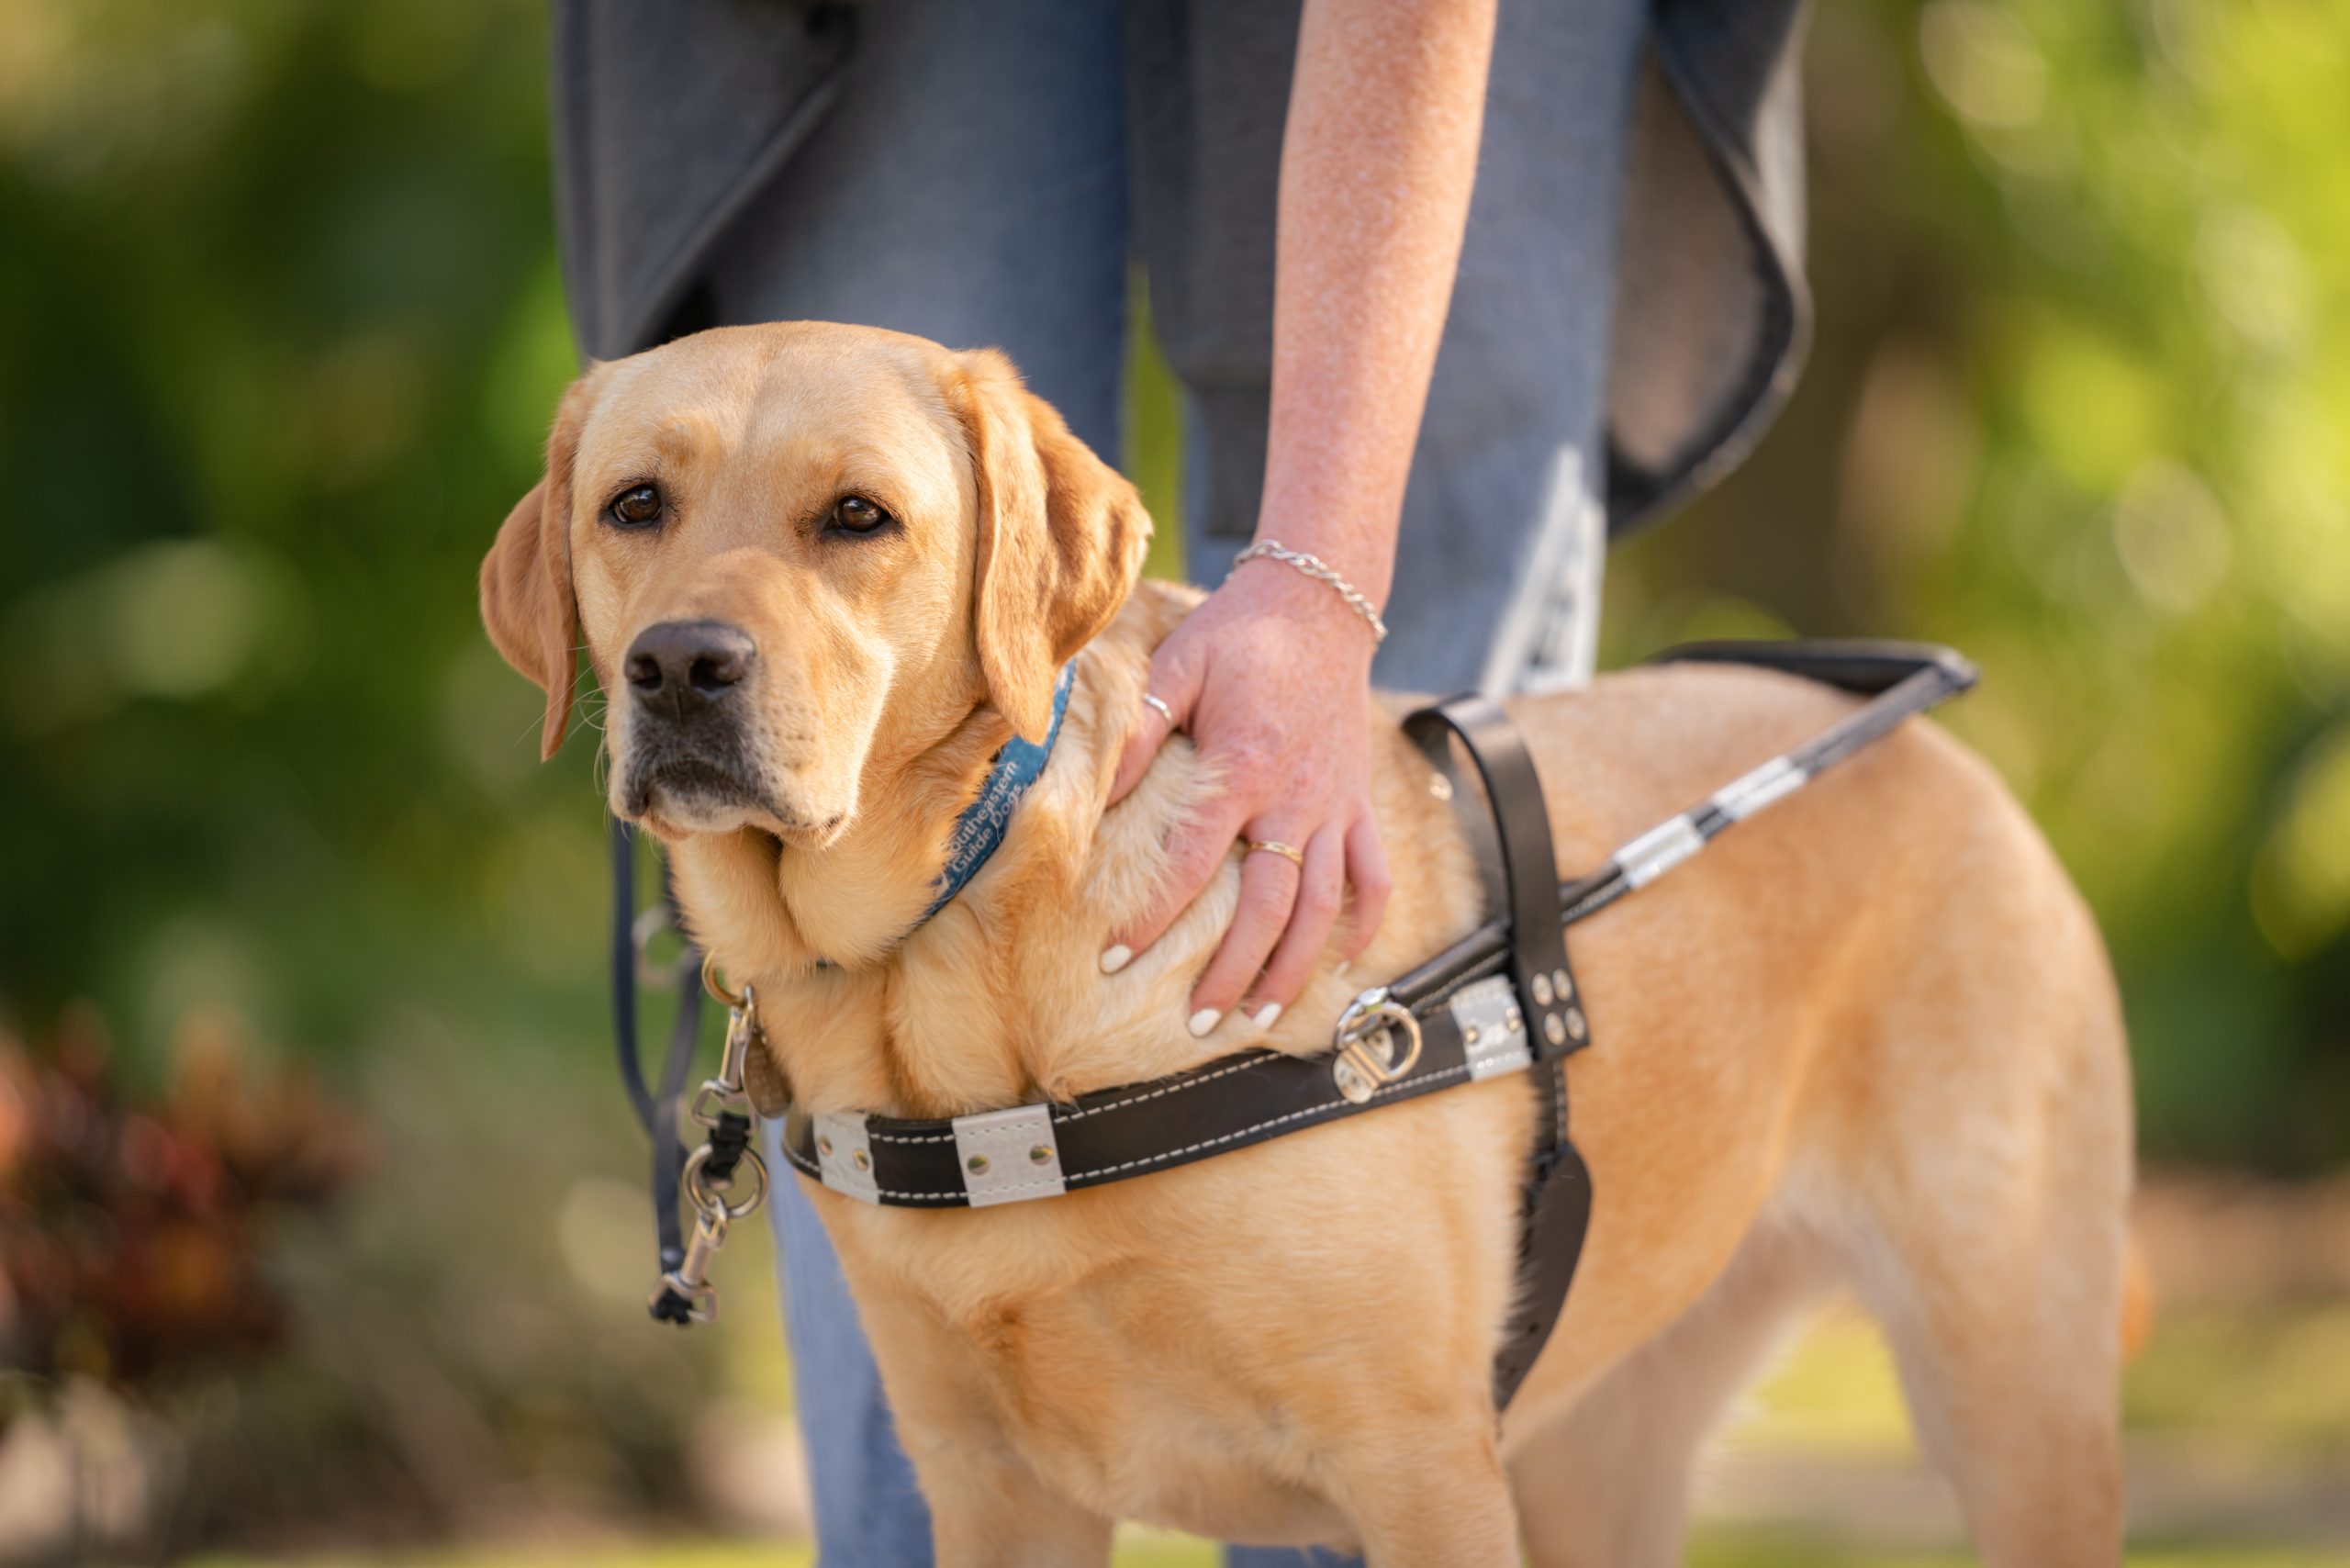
1360 1071
697 1188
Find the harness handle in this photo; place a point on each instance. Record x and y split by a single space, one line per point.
1554 1207
1520 820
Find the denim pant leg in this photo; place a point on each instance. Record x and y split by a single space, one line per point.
970 187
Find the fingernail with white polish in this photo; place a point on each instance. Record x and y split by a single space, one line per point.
1272 1011
1202 1021
1116 958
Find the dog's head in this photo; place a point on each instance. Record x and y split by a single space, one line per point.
791 552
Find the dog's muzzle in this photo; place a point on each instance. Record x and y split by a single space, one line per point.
688 689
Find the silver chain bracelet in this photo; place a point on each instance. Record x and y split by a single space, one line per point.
1321 572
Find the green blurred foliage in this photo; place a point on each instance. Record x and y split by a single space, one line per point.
279 333
2078 404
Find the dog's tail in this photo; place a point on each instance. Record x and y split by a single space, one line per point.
2137 1300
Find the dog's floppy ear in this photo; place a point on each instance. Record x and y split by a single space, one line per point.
526 598
1062 536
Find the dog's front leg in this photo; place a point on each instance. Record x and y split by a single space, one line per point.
986 1514
989 1509
1439 1502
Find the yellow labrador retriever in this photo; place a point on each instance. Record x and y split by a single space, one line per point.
824 573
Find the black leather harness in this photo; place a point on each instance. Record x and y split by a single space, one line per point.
1502 1000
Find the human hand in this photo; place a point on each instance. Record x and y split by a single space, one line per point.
1271 677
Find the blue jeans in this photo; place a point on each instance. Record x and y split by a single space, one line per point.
991 173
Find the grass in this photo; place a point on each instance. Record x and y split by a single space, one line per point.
2256 1387
1714 1549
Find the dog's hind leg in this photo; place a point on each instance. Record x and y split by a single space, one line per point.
1607 1485
2004 1313
1988 1180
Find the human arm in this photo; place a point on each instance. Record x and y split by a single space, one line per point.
1272 675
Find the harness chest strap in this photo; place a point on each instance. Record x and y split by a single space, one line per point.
1509 1015
1468 1003
1472 1028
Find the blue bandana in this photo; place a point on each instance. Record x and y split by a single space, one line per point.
980 829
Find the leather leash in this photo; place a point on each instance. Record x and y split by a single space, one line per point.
683 1294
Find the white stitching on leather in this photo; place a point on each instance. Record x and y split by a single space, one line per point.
807 1168
1023 1187
1078 1115
1088 1176
1172 1088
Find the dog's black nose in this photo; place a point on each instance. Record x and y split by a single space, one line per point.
683 669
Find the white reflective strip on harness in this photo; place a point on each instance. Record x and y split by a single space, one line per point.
1009 1156
845 1156
1741 797
1659 850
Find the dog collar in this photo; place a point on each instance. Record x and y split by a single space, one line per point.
979 831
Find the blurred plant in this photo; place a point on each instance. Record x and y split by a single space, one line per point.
134 1235
2077 406
212 1333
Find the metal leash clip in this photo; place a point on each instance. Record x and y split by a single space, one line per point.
712 1213
1368 1059
725 1094
725 1159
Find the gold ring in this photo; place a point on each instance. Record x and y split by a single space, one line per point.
1289 852
1164 710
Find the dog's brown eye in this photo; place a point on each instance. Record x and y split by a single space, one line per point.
635 508
854 514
